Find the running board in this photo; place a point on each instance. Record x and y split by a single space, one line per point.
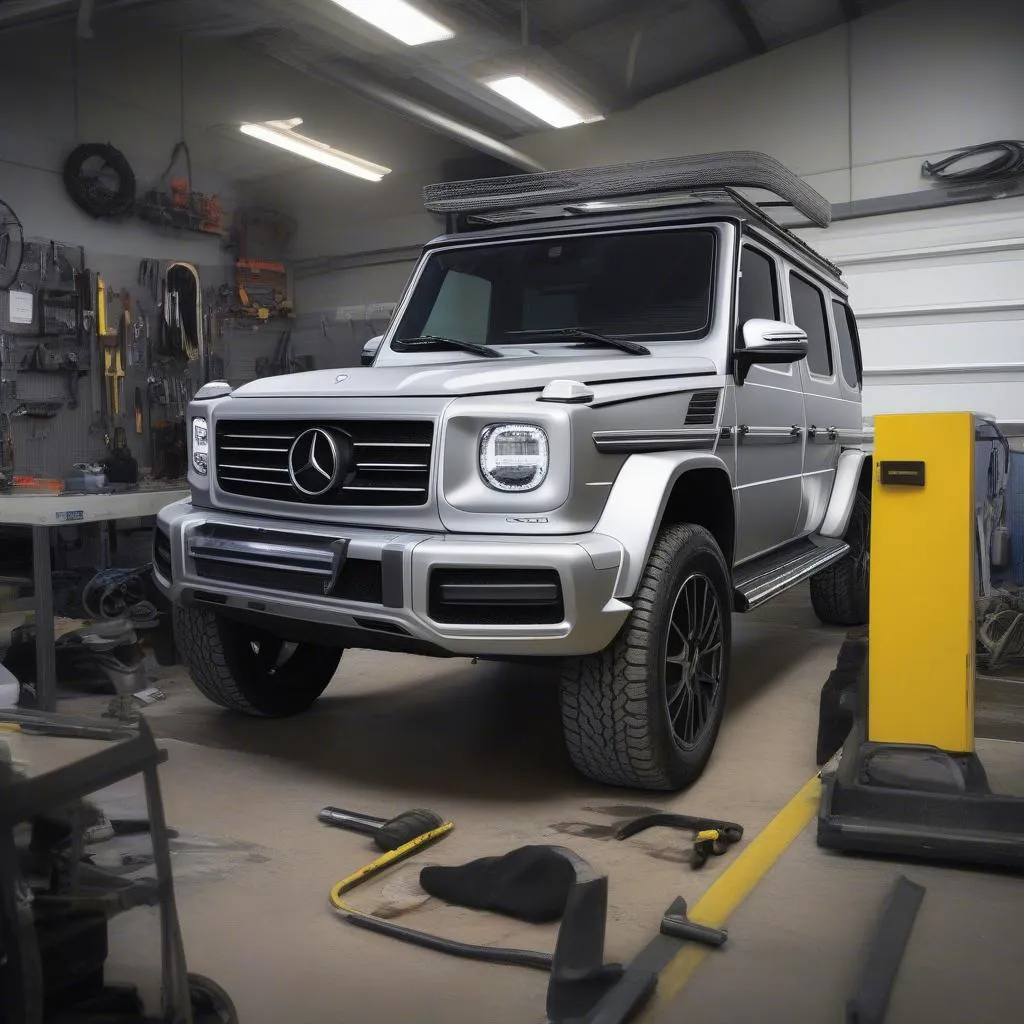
759 581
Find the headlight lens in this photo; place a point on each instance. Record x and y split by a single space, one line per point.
514 456
200 445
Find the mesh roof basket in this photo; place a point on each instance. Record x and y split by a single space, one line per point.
745 169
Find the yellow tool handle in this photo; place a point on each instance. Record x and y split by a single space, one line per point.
383 861
101 307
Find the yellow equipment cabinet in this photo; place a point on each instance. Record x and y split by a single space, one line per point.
922 581
907 781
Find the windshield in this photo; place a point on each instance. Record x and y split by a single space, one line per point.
650 284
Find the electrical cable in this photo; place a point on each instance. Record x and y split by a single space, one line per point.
1007 161
89 192
488 954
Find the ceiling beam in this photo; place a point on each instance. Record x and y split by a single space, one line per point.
577 69
623 21
740 17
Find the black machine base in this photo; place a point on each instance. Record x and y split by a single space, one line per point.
917 801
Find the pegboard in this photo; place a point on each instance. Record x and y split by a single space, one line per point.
82 433
238 349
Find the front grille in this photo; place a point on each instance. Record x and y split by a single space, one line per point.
496 597
162 553
702 408
391 460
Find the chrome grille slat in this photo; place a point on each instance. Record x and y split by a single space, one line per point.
407 490
386 444
258 437
245 448
261 483
391 464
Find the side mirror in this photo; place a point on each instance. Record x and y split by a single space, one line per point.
370 350
769 341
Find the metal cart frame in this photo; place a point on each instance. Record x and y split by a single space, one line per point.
132 750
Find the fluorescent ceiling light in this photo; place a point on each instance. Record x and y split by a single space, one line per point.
399 19
280 133
539 101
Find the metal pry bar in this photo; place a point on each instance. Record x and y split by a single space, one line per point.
741 169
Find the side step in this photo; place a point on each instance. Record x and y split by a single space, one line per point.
760 580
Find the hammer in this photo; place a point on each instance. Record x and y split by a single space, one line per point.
386 833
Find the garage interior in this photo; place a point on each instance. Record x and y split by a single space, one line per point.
258 214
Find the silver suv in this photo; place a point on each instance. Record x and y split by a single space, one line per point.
613 406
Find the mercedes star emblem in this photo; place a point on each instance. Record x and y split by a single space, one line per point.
313 462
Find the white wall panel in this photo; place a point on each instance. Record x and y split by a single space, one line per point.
939 296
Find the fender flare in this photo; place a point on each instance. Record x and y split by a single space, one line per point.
844 489
636 506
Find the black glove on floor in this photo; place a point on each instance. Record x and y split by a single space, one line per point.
530 884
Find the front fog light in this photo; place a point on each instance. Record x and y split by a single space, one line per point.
514 456
200 446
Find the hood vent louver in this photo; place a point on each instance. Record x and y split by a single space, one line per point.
702 409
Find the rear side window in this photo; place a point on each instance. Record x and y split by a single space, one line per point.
759 292
845 337
809 314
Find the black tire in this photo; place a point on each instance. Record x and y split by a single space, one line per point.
210 1003
246 669
90 192
616 704
839 594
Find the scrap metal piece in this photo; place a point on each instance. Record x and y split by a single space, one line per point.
868 1003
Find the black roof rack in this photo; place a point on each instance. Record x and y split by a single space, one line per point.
744 169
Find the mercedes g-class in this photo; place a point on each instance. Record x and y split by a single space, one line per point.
613 406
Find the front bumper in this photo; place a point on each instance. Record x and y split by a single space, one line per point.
278 571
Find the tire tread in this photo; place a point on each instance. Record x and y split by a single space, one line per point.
608 731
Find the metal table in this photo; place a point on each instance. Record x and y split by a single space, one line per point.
42 512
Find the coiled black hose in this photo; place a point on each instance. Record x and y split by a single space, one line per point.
488 954
90 191
1006 161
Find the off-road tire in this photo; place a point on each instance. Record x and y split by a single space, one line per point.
219 654
839 594
614 703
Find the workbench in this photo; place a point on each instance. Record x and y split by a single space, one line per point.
43 512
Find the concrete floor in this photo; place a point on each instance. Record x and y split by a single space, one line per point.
482 745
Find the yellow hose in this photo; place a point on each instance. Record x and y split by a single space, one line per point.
383 861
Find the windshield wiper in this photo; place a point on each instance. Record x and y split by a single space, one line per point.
634 348
436 341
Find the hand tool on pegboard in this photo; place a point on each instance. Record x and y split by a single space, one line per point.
137 344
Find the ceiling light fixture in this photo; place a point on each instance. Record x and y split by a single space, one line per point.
539 102
399 19
281 134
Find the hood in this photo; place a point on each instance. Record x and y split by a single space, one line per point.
479 377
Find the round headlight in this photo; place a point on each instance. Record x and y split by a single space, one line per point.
514 456
200 445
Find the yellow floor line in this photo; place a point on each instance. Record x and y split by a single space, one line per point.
729 890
